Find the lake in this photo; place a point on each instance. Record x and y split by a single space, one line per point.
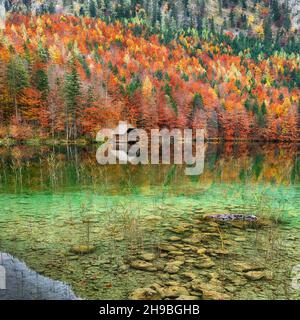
125 231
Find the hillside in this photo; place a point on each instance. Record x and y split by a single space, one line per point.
235 15
66 77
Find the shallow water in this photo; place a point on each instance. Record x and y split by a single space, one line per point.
53 199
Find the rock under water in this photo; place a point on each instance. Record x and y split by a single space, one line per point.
233 217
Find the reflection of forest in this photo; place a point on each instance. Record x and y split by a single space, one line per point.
41 168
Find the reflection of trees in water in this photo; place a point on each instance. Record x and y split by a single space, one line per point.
55 167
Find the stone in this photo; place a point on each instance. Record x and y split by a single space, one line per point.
155 286
174 291
238 281
216 252
160 266
180 258
172 283
245 267
148 256
240 239
210 291
213 224
179 229
153 218
192 240
123 268
214 295
167 247
174 238
204 262
189 275
158 288
255 275
229 242
187 249
191 261
187 297
213 276
230 217
142 265
231 289
176 253
173 267
201 251
164 277
145 294
73 258
82 249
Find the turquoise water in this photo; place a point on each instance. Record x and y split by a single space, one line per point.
55 198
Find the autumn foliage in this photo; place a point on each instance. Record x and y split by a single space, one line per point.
64 76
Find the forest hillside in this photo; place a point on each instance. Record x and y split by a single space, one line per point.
68 69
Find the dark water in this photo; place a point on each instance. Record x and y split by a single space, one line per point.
55 198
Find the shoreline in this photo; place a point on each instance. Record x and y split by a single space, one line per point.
86 142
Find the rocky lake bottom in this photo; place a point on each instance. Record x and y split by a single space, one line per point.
150 232
187 256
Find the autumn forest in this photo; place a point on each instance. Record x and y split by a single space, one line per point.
67 76
162 217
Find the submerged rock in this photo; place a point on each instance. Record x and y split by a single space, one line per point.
189 275
179 229
82 249
245 267
192 240
214 295
232 217
204 262
240 239
148 256
176 253
173 267
145 294
201 251
187 297
254 275
174 238
167 247
174 291
210 291
142 265
152 218
218 252
258 275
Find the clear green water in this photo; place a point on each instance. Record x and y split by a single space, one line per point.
55 198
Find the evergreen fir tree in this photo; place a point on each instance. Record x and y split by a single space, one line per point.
268 36
72 94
